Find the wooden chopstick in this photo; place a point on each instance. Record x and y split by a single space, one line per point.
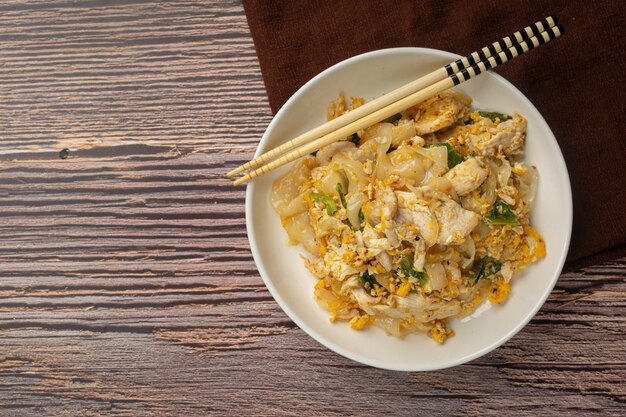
460 64
408 101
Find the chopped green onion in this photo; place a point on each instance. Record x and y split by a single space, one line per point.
331 206
344 203
361 220
493 115
406 266
342 197
485 268
368 281
501 214
454 158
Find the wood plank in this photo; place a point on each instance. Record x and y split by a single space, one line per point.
96 74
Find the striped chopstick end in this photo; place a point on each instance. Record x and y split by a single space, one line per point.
503 45
507 54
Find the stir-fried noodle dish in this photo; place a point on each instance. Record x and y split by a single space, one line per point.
416 219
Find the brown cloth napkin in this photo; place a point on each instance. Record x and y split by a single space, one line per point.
576 82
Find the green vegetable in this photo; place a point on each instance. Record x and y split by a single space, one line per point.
331 206
454 158
485 268
361 220
342 197
392 119
406 266
355 139
501 214
493 115
368 281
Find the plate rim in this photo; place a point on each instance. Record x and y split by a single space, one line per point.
567 214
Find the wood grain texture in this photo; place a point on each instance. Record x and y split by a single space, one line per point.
127 286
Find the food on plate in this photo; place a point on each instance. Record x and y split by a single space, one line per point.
417 219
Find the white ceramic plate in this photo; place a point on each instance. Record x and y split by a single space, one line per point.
370 75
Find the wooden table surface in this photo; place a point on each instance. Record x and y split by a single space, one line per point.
127 285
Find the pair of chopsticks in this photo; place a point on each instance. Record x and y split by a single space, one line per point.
403 97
